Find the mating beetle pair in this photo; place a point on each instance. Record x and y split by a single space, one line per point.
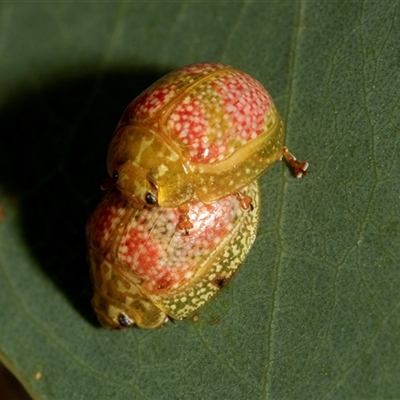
183 205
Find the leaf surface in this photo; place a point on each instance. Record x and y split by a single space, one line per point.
314 311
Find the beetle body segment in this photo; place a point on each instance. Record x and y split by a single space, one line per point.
145 270
201 132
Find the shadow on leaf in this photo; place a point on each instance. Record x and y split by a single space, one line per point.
53 147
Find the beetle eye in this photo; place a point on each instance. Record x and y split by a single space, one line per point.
151 199
124 321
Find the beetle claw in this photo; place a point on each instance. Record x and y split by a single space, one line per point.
244 201
184 223
299 167
109 182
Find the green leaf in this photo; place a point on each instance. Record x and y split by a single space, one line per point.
314 311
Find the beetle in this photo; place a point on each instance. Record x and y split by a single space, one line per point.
145 271
201 132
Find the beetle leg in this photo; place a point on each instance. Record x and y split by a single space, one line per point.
184 223
244 200
299 167
109 182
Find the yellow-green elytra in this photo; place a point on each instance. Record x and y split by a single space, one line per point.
144 270
201 132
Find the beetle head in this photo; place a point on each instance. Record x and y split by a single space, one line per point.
148 169
133 309
118 301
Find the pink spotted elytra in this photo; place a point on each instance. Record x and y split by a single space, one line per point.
145 270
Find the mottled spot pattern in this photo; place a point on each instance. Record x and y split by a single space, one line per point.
105 220
151 101
150 245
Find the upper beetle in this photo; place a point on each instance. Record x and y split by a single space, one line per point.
201 132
